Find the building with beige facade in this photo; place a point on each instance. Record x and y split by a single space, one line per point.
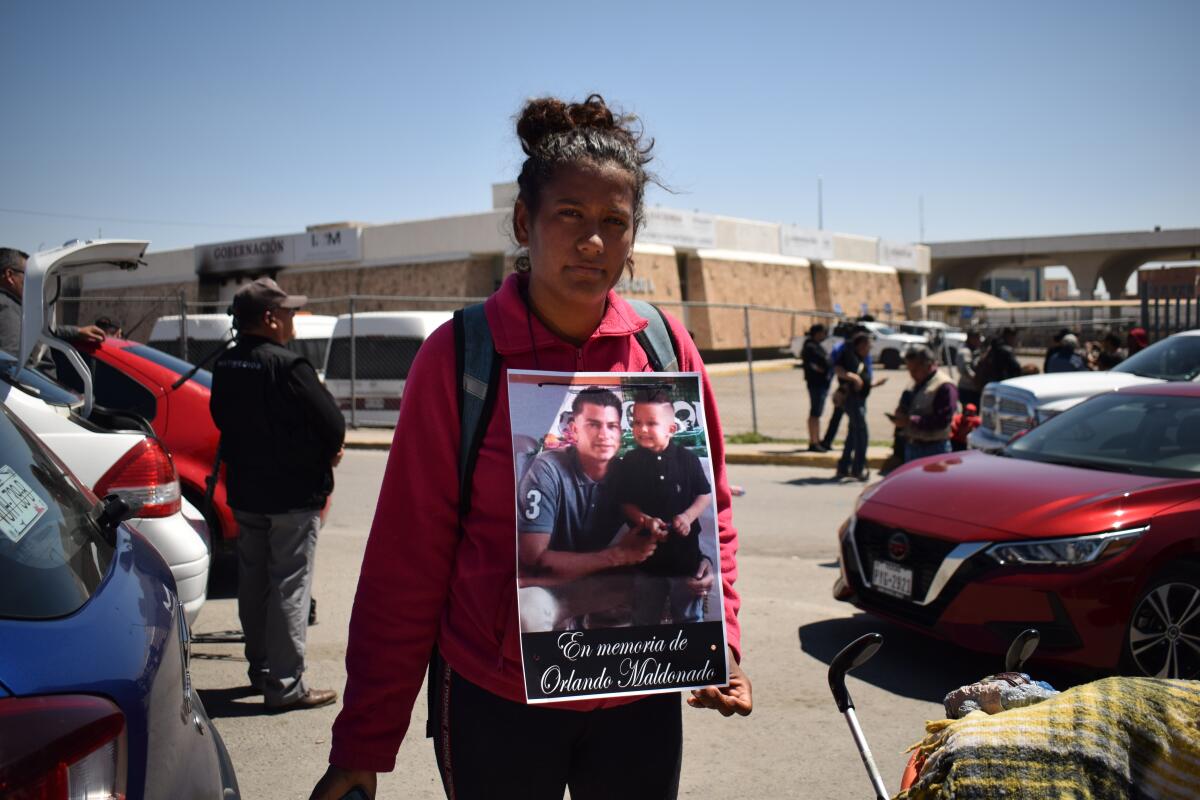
720 274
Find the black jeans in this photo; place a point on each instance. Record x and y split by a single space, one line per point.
835 421
854 454
490 747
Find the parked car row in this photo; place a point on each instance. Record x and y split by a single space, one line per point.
101 555
1083 522
1018 404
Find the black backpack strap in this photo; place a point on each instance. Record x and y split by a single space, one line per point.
656 339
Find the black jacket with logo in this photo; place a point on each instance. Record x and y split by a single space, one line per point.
280 428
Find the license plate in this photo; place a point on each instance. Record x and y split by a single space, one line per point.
892 579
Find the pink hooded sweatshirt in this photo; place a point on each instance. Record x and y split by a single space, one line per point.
421 581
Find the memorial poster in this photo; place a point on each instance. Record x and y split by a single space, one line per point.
618 563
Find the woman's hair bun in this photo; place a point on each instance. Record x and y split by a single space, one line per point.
546 116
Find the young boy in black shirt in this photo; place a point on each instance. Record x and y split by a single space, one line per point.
661 487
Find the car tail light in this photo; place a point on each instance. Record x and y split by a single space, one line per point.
62 747
144 477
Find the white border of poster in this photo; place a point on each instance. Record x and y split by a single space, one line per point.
615 504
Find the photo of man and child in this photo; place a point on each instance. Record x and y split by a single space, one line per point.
616 524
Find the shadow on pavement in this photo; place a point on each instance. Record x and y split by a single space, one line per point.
821 481
227 703
219 637
912 665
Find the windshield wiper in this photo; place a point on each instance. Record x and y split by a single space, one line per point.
1097 465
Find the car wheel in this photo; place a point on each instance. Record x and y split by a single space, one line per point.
890 359
1163 637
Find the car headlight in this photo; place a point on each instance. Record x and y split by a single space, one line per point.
1068 551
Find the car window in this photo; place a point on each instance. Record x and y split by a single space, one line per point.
168 361
380 358
1176 358
38 385
52 557
116 390
1141 434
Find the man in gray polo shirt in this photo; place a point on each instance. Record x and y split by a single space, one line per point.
566 524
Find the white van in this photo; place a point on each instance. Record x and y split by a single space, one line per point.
206 331
385 344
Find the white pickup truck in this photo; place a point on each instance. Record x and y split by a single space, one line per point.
1016 405
887 344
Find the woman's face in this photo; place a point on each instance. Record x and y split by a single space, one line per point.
581 236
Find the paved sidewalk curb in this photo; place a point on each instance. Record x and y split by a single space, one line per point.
818 460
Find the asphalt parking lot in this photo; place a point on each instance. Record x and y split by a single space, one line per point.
795 744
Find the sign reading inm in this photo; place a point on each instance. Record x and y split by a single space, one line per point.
276 252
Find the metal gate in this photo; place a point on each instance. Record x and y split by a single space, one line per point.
1169 302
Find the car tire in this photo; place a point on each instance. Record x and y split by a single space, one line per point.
890 359
1162 638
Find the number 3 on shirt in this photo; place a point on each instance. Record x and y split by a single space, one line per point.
532 508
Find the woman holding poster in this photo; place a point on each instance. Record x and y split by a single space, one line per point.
548 521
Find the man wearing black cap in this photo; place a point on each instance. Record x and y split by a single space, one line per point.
281 436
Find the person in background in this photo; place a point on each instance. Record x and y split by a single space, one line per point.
1001 362
1066 357
966 361
835 419
1054 348
281 436
851 370
1136 340
896 457
931 410
1111 353
110 326
962 426
818 374
12 293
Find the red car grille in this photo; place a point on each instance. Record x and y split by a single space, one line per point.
925 553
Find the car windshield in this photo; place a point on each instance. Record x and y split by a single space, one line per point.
1139 434
176 365
52 556
34 383
1176 358
883 330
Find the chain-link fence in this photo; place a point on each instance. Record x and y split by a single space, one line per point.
364 346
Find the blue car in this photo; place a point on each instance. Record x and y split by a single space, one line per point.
96 698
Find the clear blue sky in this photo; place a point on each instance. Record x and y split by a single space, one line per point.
248 118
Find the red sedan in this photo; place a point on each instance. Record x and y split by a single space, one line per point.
1087 528
134 377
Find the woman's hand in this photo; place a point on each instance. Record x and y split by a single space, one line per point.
736 698
336 782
